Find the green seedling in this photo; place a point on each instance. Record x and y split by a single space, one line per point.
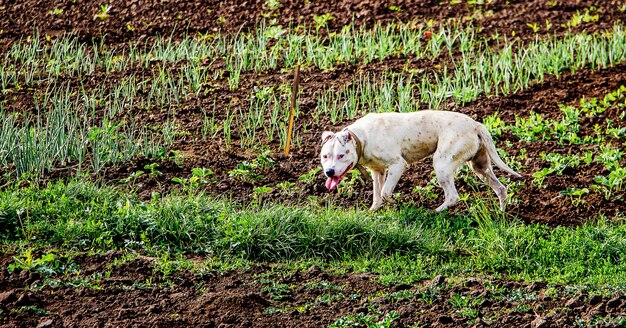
148 284
609 156
175 156
612 183
494 124
93 282
465 305
259 193
521 295
522 308
28 263
287 187
153 170
322 20
278 291
534 26
32 309
55 11
247 171
587 157
273 4
558 164
363 320
264 161
273 310
616 132
609 320
347 186
576 195
403 295
428 191
328 299
532 128
551 292
274 31
585 17
565 131
309 177
429 295
104 12
166 266
199 177
48 264
133 177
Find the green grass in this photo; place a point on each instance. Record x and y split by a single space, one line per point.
402 245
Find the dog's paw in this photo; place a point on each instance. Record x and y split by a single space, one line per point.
442 208
376 207
389 199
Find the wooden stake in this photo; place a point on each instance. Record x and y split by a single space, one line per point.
294 95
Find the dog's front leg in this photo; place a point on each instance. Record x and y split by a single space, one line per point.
377 180
394 172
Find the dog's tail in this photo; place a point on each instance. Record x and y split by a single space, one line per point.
487 141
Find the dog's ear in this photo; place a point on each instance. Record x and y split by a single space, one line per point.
327 135
345 137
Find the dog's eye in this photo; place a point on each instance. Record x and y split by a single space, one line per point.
325 156
340 156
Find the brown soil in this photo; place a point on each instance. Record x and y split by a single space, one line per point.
237 298
135 294
132 20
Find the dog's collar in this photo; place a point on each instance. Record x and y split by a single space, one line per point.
359 154
359 146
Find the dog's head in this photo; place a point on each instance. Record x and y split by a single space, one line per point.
338 156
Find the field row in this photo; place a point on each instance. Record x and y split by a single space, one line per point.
107 125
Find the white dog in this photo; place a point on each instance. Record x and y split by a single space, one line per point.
386 143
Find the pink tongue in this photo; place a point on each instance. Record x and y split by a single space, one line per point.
331 183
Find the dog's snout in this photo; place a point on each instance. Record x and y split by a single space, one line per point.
330 173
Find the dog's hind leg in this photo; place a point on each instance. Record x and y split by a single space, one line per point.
394 172
445 168
378 178
481 165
